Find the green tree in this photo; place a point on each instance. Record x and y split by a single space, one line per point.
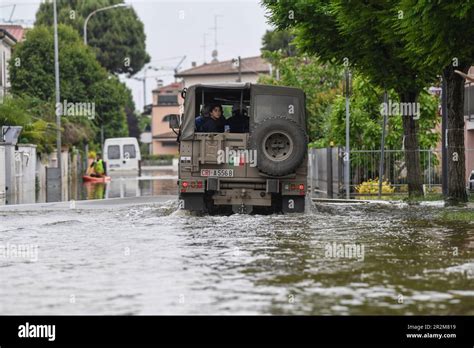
82 80
117 35
366 119
366 125
439 37
32 71
278 40
34 117
361 35
111 100
320 81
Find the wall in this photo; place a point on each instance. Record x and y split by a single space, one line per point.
157 124
5 54
23 175
159 149
2 175
469 146
41 164
20 173
159 127
26 168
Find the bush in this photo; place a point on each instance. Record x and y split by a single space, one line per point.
371 186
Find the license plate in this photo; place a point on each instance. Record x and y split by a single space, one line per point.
218 172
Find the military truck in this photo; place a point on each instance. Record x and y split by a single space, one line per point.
263 169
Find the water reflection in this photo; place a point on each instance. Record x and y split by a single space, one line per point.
150 183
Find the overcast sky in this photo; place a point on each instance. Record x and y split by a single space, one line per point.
175 28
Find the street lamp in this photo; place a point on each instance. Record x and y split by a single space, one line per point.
58 98
85 43
99 10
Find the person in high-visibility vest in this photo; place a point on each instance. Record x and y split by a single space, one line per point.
98 167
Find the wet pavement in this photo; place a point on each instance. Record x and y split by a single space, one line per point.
152 258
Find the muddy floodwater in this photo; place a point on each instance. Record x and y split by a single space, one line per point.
156 259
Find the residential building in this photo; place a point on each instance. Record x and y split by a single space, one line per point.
7 41
166 101
17 31
225 71
469 124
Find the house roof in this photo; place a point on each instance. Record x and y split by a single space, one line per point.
175 86
17 31
250 65
10 39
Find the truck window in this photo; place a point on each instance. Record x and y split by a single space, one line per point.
113 152
129 151
276 105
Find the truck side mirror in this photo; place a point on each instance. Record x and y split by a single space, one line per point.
174 121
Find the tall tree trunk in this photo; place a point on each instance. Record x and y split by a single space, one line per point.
412 149
456 192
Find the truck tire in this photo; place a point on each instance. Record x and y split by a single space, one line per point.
281 145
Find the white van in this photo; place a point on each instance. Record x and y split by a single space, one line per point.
122 155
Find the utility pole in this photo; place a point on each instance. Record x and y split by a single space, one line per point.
58 98
347 160
382 143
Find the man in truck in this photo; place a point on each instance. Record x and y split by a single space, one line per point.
215 122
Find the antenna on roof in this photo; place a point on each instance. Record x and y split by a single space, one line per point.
204 46
215 28
11 14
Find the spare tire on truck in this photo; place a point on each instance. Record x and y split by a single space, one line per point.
281 145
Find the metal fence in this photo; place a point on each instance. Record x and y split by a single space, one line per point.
326 173
365 165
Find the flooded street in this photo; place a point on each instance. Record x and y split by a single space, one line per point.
155 259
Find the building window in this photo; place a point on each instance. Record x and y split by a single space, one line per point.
167 118
167 99
168 143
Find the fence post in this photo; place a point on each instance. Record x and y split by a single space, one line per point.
347 158
429 169
382 144
329 178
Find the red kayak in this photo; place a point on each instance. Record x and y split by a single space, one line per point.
87 178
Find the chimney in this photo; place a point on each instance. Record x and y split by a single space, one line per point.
193 64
